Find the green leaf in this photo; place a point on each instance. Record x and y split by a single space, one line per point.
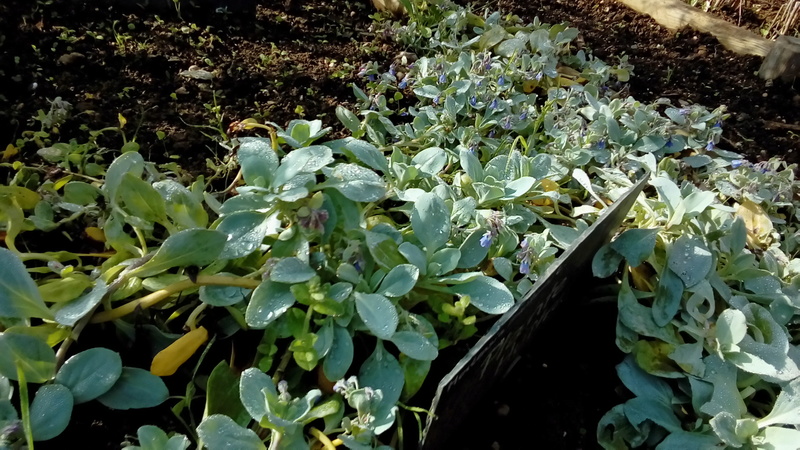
384 250
81 193
19 296
382 371
690 259
348 119
257 160
141 199
642 384
128 163
414 373
35 359
430 220
447 259
368 154
136 388
415 345
724 426
246 231
222 394
76 309
378 313
291 270
340 356
430 161
606 262
486 294
50 411
255 388
668 297
182 206
639 409
635 245
778 438
223 295
91 373
697 202
472 252
153 438
738 236
303 160
220 432
399 281
357 183
682 440
731 327
195 247
268 302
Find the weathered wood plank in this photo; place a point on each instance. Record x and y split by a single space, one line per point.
783 61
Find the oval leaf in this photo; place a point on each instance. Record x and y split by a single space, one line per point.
340 356
136 388
378 313
35 359
252 385
220 432
487 294
690 259
399 281
268 302
73 311
415 345
245 230
258 161
90 373
50 411
291 270
430 221
223 295
635 245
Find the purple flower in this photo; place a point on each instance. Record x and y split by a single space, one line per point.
736 163
501 81
493 105
479 84
525 256
340 386
524 115
473 101
525 267
371 77
684 111
442 78
404 82
538 76
473 148
718 124
491 134
392 70
436 100
312 219
710 146
669 143
486 239
601 144
507 123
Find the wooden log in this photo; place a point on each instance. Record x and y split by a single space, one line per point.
675 15
783 61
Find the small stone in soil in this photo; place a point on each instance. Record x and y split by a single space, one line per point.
503 410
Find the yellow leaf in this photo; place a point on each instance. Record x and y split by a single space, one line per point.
122 120
549 185
65 289
23 197
529 86
757 222
95 234
167 361
62 182
9 152
642 277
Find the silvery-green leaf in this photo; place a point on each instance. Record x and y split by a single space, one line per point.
725 398
19 296
487 294
153 438
141 200
81 193
447 259
291 270
518 188
430 161
642 384
503 267
245 232
127 163
635 245
471 165
196 247
220 432
255 387
340 357
668 192
786 410
399 281
28 354
268 302
778 438
90 373
302 160
472 252
724 426
430 220
73 311
667 301
348 119
357 183
683 440
378 313
414 255
50 411
223 295
511 47
731 327
382 371
640 409
690 259
182 206
415 345
697 202
135 388
368 154
606 262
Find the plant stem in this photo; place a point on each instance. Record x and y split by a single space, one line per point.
24 406
159 296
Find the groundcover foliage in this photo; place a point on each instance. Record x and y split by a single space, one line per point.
471 162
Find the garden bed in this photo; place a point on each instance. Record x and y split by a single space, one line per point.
184 89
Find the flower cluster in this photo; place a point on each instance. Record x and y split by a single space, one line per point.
762 167
495 222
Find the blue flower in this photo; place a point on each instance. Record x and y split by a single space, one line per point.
473 148
486 239
436 100
507 123
493 105
718 124
710 146
442 78
491 134
524 115
403 83
479 84
538 76
473 101
487 66
392 70
736 163
371 77
501 81
669 143
525 267
601 144
684 111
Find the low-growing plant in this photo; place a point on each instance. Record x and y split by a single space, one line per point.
360 259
